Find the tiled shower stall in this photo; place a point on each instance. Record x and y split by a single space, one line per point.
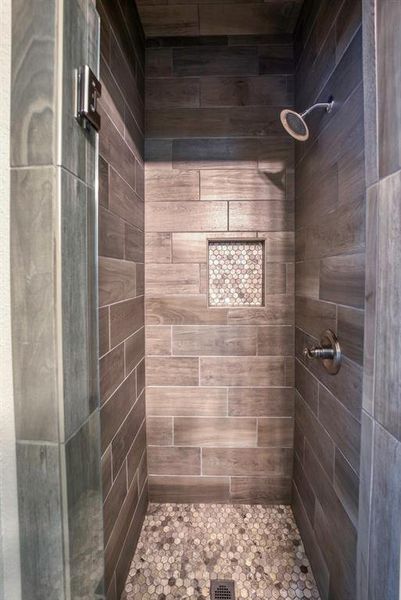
223 249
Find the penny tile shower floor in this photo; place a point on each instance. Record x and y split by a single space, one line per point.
183 546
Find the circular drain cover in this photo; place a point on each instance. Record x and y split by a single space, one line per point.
222 589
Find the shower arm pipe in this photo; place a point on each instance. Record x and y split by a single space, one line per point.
326 105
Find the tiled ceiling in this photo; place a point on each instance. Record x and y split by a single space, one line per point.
218 17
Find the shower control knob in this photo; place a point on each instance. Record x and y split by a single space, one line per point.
329 352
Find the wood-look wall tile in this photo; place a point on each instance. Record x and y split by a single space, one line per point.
115 151
279 245
111 367
255 371
266 216
107 475
174 461
170 20
187 401
159 62
189 247
136 452
307 278
134 243
207 61
158 247
183 310
158 340
260 490
350 328
122 441
316 434
186 216
123 201
278 309
214 431
103 182
104 341
239 185
203 340
189 489
114 502
111 234
115 410
116 280
267 90
166 279
342 427
342 280
178 123
234 153
304 488
172 371
276 432
162 186
260 402
134 349
277 59
111 101
253 462
125 318
275 340
307 386
346 484
159 431
275 278
235 19
172 92
315 316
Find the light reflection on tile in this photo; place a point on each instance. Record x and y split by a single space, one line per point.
183 546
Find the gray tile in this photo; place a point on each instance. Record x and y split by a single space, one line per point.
346 484
33 224
364 506
74 301
33 82
40 521
84 505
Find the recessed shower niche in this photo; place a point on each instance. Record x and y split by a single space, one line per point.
235 272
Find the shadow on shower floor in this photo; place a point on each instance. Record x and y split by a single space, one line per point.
183 546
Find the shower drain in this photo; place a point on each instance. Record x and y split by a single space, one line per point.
222 589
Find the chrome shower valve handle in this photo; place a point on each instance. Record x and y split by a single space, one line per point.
329 352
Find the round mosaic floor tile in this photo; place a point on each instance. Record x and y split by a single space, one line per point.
183 546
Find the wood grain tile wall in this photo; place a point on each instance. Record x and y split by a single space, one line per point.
121 287
330 289
219 380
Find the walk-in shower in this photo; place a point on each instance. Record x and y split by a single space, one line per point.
294 123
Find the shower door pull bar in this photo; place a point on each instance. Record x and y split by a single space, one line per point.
329 352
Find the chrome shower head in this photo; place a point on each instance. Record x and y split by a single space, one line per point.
294 123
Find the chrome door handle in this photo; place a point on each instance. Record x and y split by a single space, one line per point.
329 352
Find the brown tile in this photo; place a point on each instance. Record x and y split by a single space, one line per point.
135 453
140 377
113 502
246 91
172 186
172 92
159 62
111 234
307 278
162 280
216 153
158 340
350 324
140 279
125 318
186 401
275 340
251 462
107 475
183 310
217 431
174 461
116 152
260 490
172 371
342 280
104 342
272 215
134 349
276 59
122 442
203 340
306 385
159 431
186 216
278 310
170 20
204 61
241 19
134 243
239 185
260 402
115 410
123 200
276 432
188 489
116 280
189 247
315 316
346 484
245 371
103 182
111 367
158 247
